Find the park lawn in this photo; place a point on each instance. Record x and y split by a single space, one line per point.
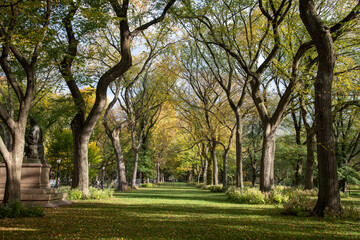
173 211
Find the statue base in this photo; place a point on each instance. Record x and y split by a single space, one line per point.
35 186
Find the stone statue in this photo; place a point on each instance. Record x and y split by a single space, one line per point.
34 150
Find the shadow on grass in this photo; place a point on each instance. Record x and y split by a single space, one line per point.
137 215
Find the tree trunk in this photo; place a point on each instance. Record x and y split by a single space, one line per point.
299 170
309 173
198 176
205 171
239 171
13 163
12 187
215 164
76 126
157 167
134 173
253 166
342 185
267 158
84 165
329 196
189 176
299 162
225 161
120 164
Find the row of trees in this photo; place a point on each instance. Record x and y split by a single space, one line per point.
63 28
215 78
272 52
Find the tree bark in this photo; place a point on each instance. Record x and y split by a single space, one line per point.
329 196
253 167
13 163
204 153
299 171
309 173
135 167
189 176
238 149
225 162
215 164
157 172
76 126
120 164
198 175
267 158
205 171
299 160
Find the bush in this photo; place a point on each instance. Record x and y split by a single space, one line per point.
66 189
277 195
246 195
349 212
300 203
96 193
75 194
215 188
15 209
148 185
199 185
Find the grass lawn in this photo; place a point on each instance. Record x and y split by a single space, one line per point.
173 211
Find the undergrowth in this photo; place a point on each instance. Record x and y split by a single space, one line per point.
15 209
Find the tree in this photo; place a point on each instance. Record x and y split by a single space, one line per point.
22 29
114 134
83 125
329 196
234 86
247 51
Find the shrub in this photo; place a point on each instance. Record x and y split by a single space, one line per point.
216 188
344 195
199 185
75 194
246 195
15 209
351 212
148 185
277 195
300 203
66 189
96 193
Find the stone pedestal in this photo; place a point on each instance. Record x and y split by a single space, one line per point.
35 187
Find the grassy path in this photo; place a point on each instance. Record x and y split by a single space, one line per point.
173 212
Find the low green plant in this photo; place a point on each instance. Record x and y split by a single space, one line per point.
348 212
216 188
199 185
96 193
148 185
66 189
300 203
15 209
277 195
75 194
245 195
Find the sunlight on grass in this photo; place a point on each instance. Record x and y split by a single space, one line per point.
17 229
173 212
